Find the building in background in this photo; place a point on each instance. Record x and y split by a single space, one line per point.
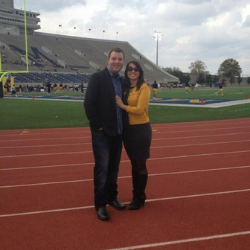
12 20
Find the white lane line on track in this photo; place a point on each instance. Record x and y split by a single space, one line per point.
198 155
123 161
48 145
149 200
46 183
35 132
47 138
45 211
85 152
175 242
125 177
219 130
168 146
184 125
46 154
197 136
157 129
202 124
49 166
198 171
201 144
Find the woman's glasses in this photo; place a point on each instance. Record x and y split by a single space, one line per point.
133 69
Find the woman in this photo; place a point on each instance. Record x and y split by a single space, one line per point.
137 129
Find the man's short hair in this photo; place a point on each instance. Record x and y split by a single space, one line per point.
118 50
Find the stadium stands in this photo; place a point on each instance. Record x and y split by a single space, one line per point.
66 59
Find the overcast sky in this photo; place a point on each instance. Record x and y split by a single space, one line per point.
207 30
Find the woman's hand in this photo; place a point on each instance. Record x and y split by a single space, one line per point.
119 102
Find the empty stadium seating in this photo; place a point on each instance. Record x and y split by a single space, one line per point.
67 59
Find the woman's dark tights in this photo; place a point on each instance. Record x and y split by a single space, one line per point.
139 180
139 166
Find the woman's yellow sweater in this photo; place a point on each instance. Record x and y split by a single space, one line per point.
138 102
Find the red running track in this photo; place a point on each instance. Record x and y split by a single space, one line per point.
198 191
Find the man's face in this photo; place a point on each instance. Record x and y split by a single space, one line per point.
115 62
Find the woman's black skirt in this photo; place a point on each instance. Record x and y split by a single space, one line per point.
137 141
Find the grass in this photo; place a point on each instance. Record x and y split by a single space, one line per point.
165 114
31 114
24 114
236 93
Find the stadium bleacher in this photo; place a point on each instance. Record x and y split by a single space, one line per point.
66 59
35 78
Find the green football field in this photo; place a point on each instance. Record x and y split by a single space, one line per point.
38 112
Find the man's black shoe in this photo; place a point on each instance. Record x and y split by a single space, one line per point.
117 204
102 213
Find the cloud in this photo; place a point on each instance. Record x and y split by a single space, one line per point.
47 5
207 30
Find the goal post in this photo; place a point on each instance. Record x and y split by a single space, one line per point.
3 74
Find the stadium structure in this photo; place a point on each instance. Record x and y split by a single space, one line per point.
58 58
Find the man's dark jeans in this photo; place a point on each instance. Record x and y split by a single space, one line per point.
107 153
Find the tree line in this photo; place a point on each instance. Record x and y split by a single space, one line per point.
229 68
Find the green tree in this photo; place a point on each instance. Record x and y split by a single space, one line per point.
216 78
223 81
248 80
239 80
230 68
198 67
232 79
186 79
208 79
178 73
173 71
201 79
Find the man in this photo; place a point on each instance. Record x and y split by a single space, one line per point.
187 87
48 85
105 120
220 88
155 88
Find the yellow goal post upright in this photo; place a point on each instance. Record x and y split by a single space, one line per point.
2 74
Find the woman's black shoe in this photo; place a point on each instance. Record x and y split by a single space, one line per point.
136 204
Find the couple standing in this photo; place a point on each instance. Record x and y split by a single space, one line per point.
117 109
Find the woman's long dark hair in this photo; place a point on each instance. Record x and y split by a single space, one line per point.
140 79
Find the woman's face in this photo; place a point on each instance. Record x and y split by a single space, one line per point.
133 72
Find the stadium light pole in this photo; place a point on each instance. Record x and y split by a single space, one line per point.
59 30
89 32
116 35
157 36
